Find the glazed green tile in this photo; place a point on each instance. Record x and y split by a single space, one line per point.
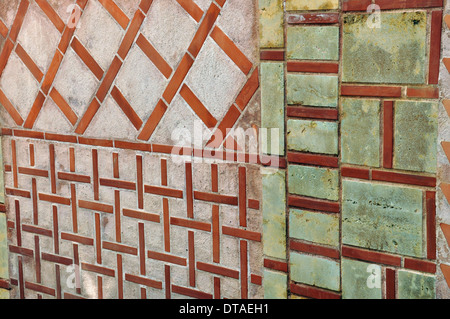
272 107
314 182
275 285
315 271
393 53
360 132
4 294
382 217
314 227
415 136
313 43
4 272
355 276
274 212
312 90
2 180
416 286
271 29
312 5
312 136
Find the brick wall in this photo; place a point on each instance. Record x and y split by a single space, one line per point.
358 105
97 204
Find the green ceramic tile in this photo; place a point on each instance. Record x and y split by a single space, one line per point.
312 90
382 217
396 52
315 271
360 132
360 280
271 27
274 212
312 136
4 272
272 107
312 43
314 227
416 286
275 285
415 136
314 182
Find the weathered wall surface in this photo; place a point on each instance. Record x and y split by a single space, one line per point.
358 105
97 206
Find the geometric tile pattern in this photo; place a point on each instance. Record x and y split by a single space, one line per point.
85 222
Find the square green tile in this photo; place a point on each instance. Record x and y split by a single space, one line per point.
312 136
415 136
313 43
413 285
315 182
315 271
355 276
396 52
312 90
360 132
314 227
382 217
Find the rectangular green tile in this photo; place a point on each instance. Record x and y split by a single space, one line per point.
312 90
360 280
382 217
314 182
275 285
314 270
314 227
415 136
312 5
4 271
271 23
272 107
4 294
274 212
313 43
416 286
360 132
394 52
312 136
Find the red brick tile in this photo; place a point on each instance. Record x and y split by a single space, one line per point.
141 215
276 265
198 107
3 30
354 172
154 56
167 258
35 110
189 223
313 292
192 8
95 142
204 29
355 5
51 14
435 47
178 78
388 176
406 4
20 16
116 12
216 198
241 233
163 191
313 204
28 61
61 138
420 265
63 106
4 56
51 73
248 91
430 203
87 58
233 52
145 5
313 159
143 281
426 92
99 207
390 283
87 117
126 108
108 79
218 270
312 112
10 109
314 249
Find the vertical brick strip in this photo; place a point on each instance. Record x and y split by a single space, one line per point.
95 173
189 191
390 283
431 224
140 182
435 47
244 269
216 233
191 245
243 196
166 222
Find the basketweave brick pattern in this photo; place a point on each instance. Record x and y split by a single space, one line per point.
127 224
359 109
90 92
